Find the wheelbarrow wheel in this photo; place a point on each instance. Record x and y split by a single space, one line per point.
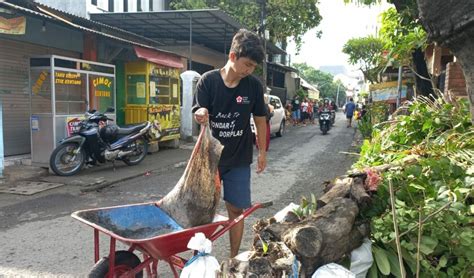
124 261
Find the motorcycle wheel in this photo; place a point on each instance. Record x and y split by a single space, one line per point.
324 129
60 161
141 149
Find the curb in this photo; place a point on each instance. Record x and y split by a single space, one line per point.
96 187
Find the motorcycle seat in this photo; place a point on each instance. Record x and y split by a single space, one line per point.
131 129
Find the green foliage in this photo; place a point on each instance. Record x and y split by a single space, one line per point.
283 18
377 112
401 34
306 207
438 188
367 54
322 80
365 126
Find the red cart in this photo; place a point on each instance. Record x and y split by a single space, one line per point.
146 228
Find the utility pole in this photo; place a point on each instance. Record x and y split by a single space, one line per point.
262 29
399 87
337 94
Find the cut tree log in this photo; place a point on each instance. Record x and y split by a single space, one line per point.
346 187
324 237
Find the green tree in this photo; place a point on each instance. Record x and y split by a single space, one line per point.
401 35
446 22
323 81
367 54
284 18
405 40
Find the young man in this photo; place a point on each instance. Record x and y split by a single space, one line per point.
226 97
349 111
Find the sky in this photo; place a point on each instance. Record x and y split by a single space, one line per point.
340 23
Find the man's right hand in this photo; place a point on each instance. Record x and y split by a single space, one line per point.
201 116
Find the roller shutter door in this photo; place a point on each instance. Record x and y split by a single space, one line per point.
14 61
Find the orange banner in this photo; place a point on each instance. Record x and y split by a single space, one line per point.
13 26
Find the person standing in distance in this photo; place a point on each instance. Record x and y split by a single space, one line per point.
349 111
226 98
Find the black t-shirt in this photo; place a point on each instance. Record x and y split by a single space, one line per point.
229 114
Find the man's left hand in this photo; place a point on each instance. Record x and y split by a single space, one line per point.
262 162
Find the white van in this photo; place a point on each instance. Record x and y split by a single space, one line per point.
277 121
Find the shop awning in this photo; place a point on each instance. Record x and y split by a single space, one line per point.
158 57
212 28
51 14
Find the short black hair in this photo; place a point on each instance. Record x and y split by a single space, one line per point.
351 99
247 44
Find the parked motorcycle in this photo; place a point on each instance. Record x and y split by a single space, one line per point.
325 121
99 141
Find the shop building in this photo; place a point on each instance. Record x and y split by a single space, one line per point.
32 30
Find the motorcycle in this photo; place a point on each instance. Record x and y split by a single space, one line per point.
97 140
325 121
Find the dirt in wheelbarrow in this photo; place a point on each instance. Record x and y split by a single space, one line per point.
133 232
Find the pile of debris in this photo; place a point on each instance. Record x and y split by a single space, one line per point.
303 243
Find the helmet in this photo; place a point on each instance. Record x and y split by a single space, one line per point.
109 133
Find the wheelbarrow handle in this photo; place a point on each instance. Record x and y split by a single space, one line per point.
266 204
232 223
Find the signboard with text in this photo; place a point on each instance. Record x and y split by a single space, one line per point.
72 125
387 92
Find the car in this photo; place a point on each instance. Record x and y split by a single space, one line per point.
277 121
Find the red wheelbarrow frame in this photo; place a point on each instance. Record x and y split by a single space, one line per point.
163 247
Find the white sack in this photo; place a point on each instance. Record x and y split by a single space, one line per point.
202 265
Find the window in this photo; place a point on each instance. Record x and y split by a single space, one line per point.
94 2
139 6
125 5
150 5
111 5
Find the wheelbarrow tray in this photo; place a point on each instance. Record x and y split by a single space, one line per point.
145 226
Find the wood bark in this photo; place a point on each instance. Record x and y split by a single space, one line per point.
324 237
347 187
451 23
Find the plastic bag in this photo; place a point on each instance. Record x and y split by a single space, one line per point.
202 265
280 216
361 259
332 270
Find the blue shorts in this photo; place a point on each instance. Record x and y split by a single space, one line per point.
296 114
236 183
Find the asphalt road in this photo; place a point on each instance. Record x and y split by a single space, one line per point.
38 238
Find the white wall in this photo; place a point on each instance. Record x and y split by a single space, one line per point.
158 5
71 6
84 7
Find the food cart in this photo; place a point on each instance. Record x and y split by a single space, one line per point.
153 92
62 89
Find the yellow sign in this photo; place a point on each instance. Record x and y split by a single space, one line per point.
169 118
102 93
39 82
102 81
102 86
67 78
13 26
166 72
141 90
